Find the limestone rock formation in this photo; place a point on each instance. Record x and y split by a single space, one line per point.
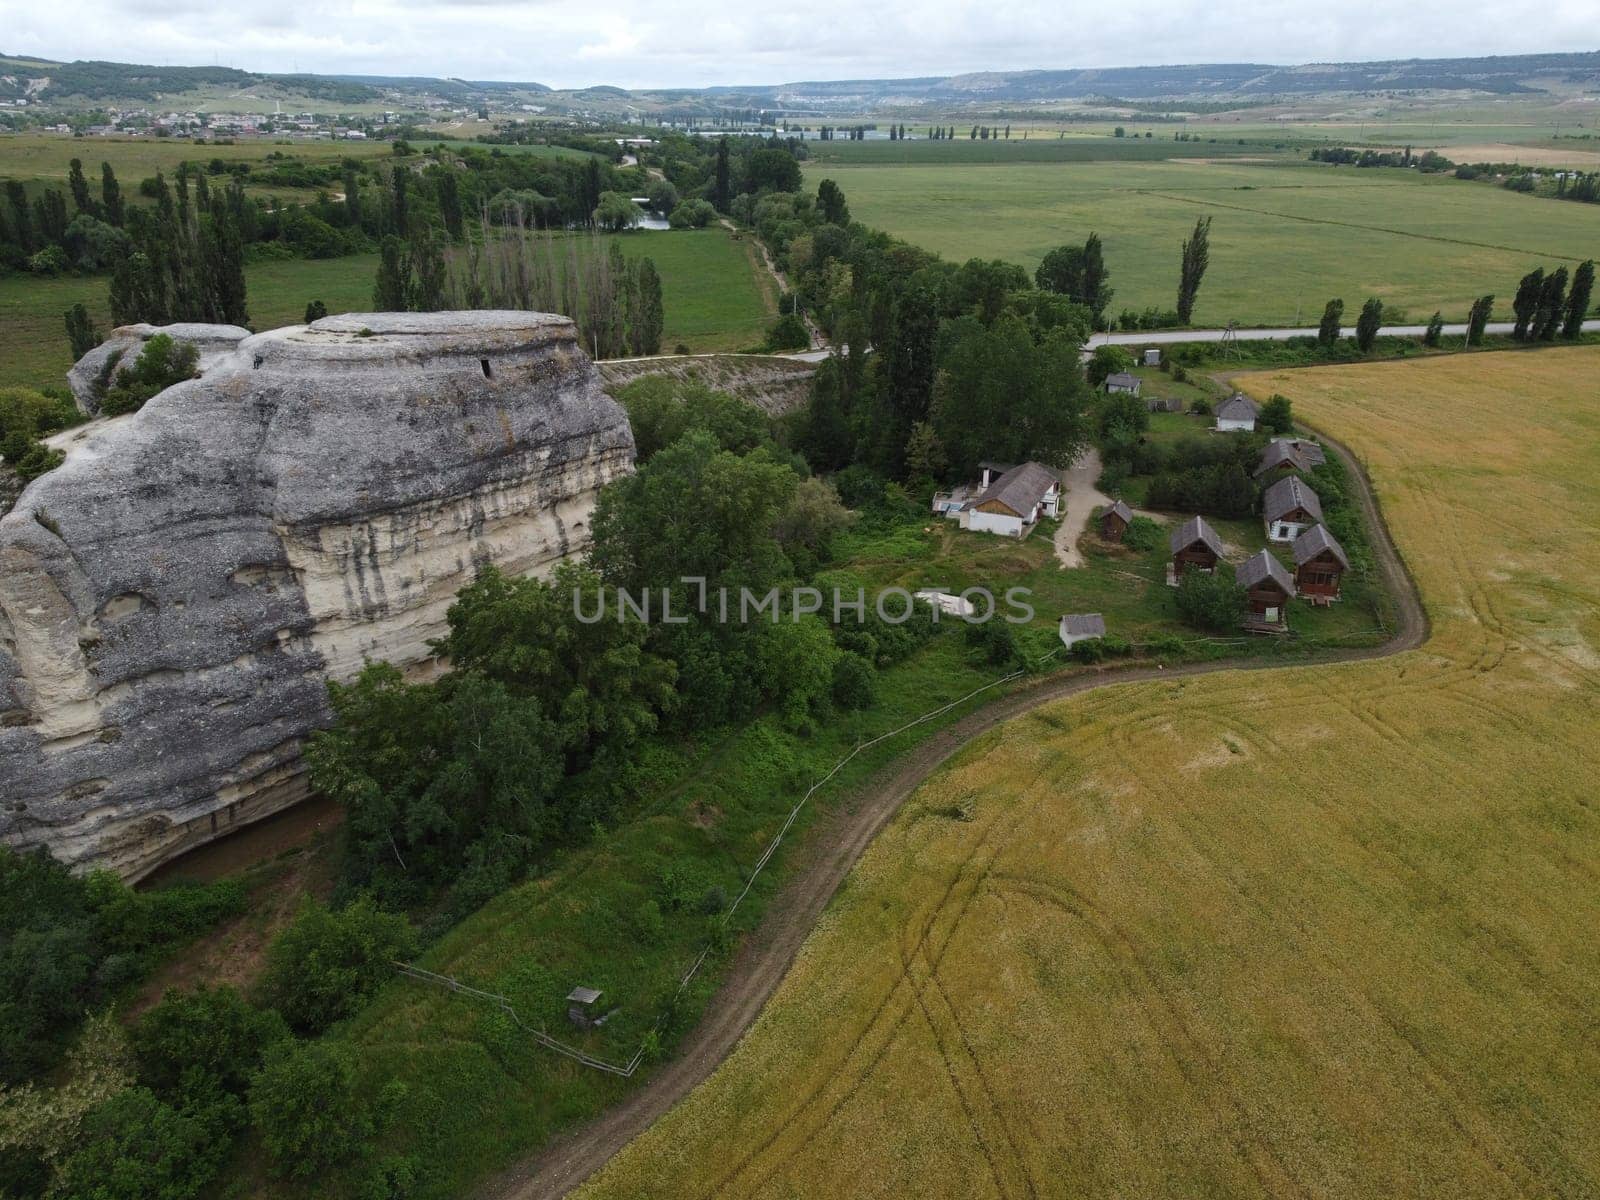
174 596
123 345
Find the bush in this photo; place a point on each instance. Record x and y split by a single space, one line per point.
788 332
854 683
195 1045
1142 534
692 214
162 363
25 417
303 1103
1276 415
1210 602
137 1148
858 486
323 967
1090 650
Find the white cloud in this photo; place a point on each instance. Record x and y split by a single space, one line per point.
693 42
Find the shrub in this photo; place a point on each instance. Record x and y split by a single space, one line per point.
323 967
692 214
1108 360
858 486
1211 602
303 1103
1142 534
25 417
788 332
1090 650
137 1148
854 682
194 1045
162 363
1276 415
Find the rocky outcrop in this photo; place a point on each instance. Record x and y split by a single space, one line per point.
174 597
124 344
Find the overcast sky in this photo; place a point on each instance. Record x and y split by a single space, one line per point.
700 42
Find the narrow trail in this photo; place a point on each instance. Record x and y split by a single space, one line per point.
818 341
830 852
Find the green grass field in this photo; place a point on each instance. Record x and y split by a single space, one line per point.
47 155
1078 146
1285 238
715 295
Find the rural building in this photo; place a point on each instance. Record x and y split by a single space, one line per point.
1006 501
1152 357
1237 414
1114 521
1319 565
1122 383
1268 588
583 1006
1289 508
950 605
1195 546
1082 627
1283 455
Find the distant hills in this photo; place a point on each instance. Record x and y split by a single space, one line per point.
106 82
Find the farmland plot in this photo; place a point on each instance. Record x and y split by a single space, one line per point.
1323 931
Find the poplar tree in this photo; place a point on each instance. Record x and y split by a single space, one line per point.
1578 299
1478 319
1552 304
1328 330
1526 303
111 195
1368 324
79 187
1196 257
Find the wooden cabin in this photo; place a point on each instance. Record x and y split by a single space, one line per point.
1319 565
1195 546
1285 456
1289 508
1114 521
1268 588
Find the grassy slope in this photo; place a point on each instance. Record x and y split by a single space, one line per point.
48 156
715 299
1326 931
1285 236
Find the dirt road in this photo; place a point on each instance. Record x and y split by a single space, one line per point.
832 850
1083 497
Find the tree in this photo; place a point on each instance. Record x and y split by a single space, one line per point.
1276 415
722 183
393 285
1368 323
450 204
649 318
1552 306
1080 274
1578 299
352 193
306 1108
855 683
771 169
1196 257
1478 319
81 332
326 963
79 187
315 311
161 364
925 457
807 525
831 203
663 196
616 213
399 201
1332 315
194 1045
111 195
134 1147
1210 601
692 214
1435 331
1526 303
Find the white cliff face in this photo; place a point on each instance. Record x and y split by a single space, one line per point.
174 597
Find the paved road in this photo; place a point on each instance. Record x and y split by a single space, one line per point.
827 856
1167 337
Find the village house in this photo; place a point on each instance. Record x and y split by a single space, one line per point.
1114 521
1081 627
1122 383
1319 565
1289 508
1195 546
1283 455
1237 414
1008 500
1268 588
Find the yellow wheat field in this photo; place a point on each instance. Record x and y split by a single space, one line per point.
1323 932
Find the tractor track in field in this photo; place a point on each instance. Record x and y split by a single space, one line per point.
838 841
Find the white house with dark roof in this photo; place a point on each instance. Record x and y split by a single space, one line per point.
1081 627
1289 508
1122 382
1237 414
1008 502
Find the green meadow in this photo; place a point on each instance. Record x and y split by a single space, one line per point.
1286 235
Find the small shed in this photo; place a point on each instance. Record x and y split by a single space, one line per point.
1152 357
1268 588
1122 383
1289 508
1282 456
583 1006
946 602
1319 565
1115 520
1195 546
1082 627
1237 414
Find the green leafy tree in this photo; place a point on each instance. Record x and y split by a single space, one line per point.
1478 319
392 288
663 409
1368 323
1435 331
1210 602
648 319
134 1147
1552 306
1328 331
1578 299
111 195
1079 273
162 363
78 185
831 203
1106 361
1276 415
722 182
616 213
1525 305
305 1106
325 963
81 331
196 1045
450 204
1196 257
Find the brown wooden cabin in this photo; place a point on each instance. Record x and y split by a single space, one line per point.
1268 588
1195 546
1286 456
1288 508
1114 521
1319 565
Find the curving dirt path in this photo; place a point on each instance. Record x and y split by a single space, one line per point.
832 849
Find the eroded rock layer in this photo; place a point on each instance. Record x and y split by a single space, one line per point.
174 597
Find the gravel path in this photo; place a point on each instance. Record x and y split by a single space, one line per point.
1083 497
829 853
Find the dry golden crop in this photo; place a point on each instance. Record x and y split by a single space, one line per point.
1324 931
